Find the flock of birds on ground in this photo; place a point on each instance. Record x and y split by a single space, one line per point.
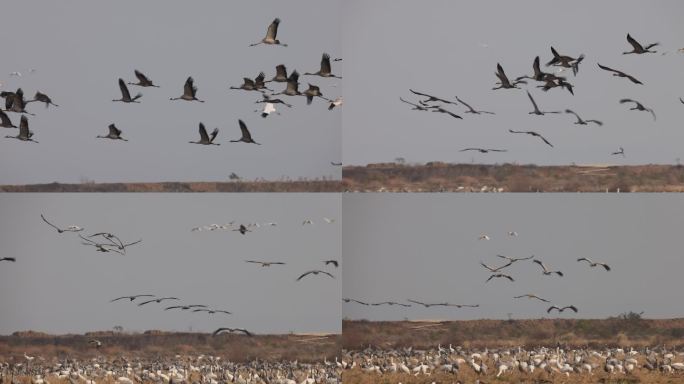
545 364
547 80
16 103
108 242
179 369
495 273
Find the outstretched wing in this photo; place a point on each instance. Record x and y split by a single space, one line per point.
189 88
49 223
124 90
325 64
143 79
272 31
203 132
245 132
634 43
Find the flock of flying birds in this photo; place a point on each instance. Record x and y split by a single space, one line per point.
16 103
496 273
108 242
547 81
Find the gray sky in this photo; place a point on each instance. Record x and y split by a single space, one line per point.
80 48
425 247
436 47
58 285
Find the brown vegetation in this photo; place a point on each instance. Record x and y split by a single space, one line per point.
234 186
237 348
444 177
620 331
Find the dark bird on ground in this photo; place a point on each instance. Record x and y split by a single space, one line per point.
232 330
189 91
638 107
536 109
125 95
246 136
500 275
391 303
24 133
561 309
503 79
431 98
495 269
242 229
143 81
638 48
114 134
12 259
43 98
531 296
130 298
620 74
314 272
621 151
5 121
533 133
545 270
71 228
265 263
483 150
594 264
271 34
325 70
205 139
514 259
471 109
582 122
347 300
565 61
335 263
159 300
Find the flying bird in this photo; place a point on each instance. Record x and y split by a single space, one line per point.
536 109
205 139
130 298
314 272
531 296
436 108
580 121
513 233
620 74
185 307
347 300
565 61
500 275
114 134
638 107
5 121
325 70
311 92
212 311
503 79
12 259
336 164
242 229
483 150
533 133
335 103
514 259
431 98
561 309
621 151
43 98
125 95
265 263
471 109
281 74
25 134
71 228
292 87
269 100
335 263
545 270
416 107
267 110
638 48
159 300
594 264
189 91
143 81
484 237
233 330
391 303
495 269
271 34
246 136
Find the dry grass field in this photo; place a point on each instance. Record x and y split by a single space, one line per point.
233 186
444 177
154 344
593 333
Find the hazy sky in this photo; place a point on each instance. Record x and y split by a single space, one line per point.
425 247
449 48
80 48
58 285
